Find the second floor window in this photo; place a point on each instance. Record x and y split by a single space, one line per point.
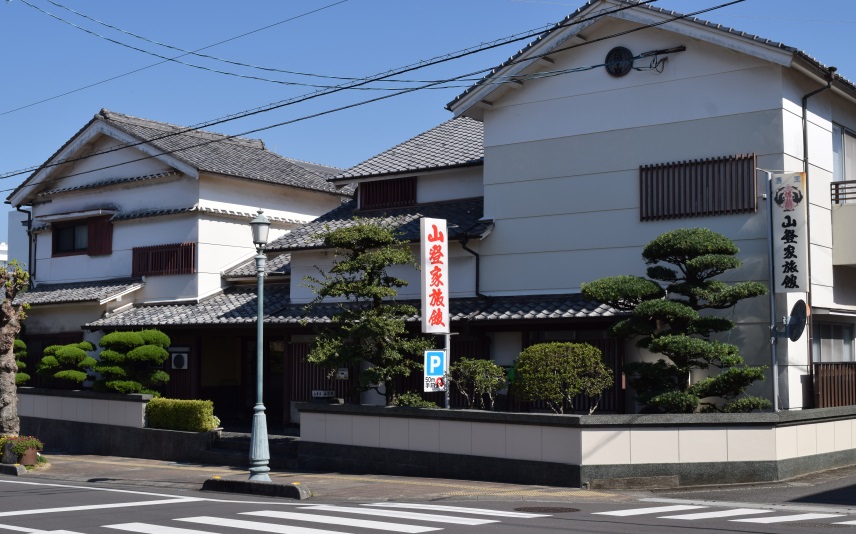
85 236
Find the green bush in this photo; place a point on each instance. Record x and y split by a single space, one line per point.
20 444
130 360
476 379
20 350
67 366
177 414
558 372
414 400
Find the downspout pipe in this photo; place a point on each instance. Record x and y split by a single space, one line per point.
830 76
464 239
31 268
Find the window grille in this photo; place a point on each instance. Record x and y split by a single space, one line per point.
698 188
162 260
388 193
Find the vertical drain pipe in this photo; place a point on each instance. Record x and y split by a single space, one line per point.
830 75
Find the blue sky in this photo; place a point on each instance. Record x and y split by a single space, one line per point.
43 58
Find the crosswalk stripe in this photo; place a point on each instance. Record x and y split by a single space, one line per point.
346 521
461 509
145 528
655 510
716 514
255 526
179 500
786 518
845 523
437 518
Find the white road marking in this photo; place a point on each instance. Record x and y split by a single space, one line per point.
655 510
145 528
253 526
345 521
86 488
178 500
461 509
845 523
404 515
717 514
786 518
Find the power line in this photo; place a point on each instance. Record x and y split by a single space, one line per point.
384 97
238 63
309 96
166 61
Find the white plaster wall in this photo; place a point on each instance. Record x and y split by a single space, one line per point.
83 410
248 196
505 347
449 185
18 241
56 318
126 235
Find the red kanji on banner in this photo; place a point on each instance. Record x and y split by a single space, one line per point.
436 318
437 298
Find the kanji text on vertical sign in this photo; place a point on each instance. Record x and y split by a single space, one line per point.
434 248
790 236
436 367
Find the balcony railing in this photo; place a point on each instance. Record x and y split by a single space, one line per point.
844 192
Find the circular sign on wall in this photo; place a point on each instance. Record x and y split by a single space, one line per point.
797 320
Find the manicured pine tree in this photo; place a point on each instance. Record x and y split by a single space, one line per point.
670 316
129 362
67 366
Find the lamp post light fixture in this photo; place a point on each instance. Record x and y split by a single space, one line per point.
259 448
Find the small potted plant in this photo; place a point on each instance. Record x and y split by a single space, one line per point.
20 449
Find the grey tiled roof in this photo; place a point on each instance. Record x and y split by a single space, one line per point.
279 265
455 143
215 153
234 306
463 218
142 214
78 291
569 20
105 183
237 306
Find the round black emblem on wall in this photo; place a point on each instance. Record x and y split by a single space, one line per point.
619 61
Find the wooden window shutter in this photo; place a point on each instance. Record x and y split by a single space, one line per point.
100 236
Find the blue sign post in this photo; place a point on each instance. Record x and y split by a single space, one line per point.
436 367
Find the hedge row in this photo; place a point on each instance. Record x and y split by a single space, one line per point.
176 414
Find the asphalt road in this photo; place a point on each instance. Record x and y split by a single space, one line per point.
63 507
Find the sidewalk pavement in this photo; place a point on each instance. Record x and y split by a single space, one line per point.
111 470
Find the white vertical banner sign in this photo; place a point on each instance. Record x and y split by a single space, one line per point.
434 256
790 235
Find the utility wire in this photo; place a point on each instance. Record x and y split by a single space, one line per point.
240 64
166 61
384 97
309 96
185 63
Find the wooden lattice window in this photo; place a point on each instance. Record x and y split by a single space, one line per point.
698 188
161 260
388 193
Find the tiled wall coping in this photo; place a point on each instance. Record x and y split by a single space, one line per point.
788 418
81 394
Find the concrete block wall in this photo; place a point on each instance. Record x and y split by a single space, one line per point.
83 406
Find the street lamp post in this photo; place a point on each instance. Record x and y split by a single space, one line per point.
259 449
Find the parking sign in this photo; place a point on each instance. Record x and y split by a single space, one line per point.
436 367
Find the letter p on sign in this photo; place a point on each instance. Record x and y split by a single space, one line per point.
435 367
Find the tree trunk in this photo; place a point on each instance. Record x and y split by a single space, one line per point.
13 279
10 325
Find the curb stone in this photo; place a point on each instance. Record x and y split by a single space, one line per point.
266 489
